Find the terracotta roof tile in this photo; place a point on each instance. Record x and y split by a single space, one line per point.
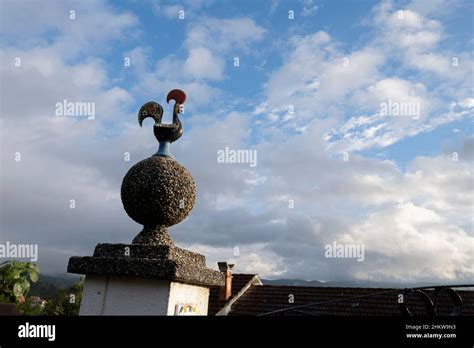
259 299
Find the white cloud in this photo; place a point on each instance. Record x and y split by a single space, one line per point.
250 259
222 35
202 64
207 47
319 80
170 11
397 89
139 59
94 24
418 244
309 8
354 135
438 8
409 34
46 78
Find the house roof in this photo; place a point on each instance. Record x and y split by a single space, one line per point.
267 298
239 281
260 299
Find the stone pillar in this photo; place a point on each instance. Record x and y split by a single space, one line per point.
134 279
150 276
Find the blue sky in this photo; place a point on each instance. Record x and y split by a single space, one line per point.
400 192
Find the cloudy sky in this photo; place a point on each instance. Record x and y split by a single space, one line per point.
306 95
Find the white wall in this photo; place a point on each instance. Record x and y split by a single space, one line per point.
124 296
197 296
121 295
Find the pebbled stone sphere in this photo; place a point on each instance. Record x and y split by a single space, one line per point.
158 191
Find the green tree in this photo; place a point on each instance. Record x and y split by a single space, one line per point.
67 302
28 308
15 278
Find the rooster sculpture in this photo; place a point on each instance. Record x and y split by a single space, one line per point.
165 133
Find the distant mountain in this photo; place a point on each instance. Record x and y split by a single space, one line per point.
48 286
344 283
